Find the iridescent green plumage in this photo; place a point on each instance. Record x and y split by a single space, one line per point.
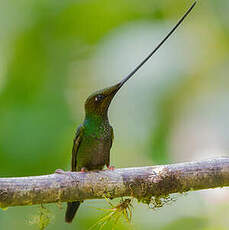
94 137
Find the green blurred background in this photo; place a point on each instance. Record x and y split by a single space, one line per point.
53 54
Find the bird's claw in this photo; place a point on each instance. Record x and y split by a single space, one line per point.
110 167
83 170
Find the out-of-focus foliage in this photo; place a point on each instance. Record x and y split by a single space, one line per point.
189 223
55 53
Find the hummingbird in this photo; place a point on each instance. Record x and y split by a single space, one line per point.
94 137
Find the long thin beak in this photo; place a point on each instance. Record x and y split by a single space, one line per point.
158 46
114 89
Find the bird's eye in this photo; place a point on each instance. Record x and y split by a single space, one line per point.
99 97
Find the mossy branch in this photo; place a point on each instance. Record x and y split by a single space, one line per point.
140 182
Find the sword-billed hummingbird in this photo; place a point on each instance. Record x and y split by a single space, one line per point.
93 139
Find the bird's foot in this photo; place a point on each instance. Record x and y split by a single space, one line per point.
83 170
110 167
61 171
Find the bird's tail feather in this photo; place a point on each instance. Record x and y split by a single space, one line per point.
72 208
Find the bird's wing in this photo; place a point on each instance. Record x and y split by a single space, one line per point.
76 144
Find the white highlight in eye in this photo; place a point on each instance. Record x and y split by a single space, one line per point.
99 97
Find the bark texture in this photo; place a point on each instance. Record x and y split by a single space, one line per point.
140 182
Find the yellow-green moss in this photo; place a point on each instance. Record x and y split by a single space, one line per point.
42 219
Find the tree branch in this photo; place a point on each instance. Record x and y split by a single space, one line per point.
141 182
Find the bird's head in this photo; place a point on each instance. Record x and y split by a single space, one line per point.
98 102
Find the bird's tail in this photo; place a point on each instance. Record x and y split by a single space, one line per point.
72 208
